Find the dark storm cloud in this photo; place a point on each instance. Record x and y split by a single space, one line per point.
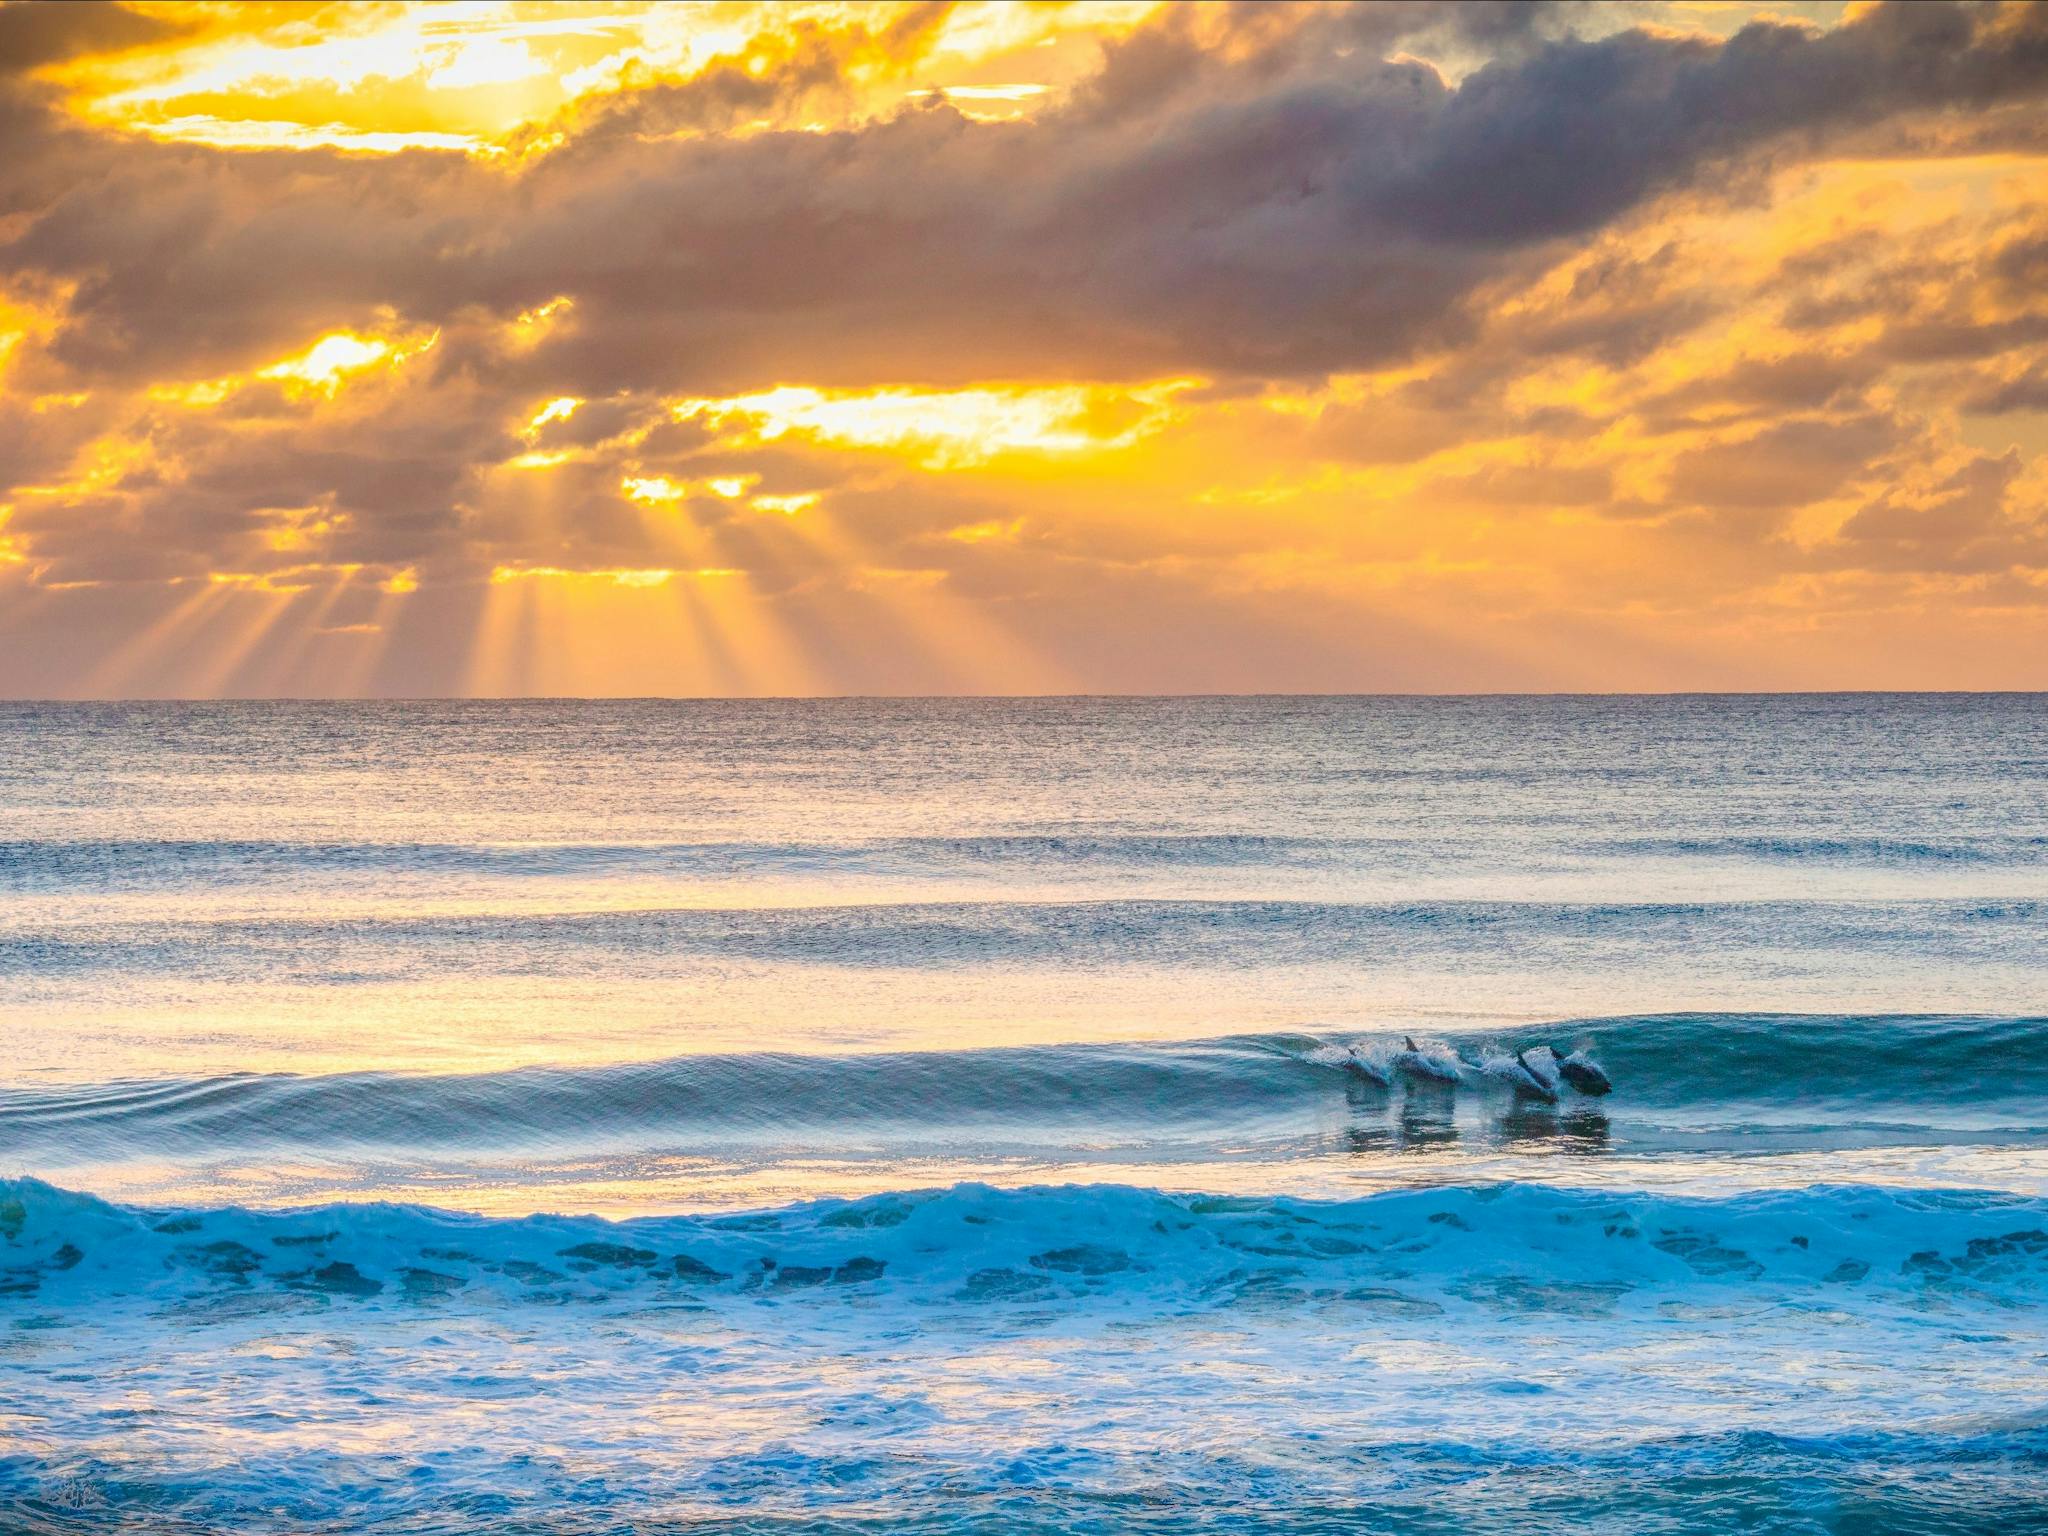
1573 136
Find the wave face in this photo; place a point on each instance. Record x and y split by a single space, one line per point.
992 1117
1685 1086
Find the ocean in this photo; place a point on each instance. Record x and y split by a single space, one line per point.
999 1116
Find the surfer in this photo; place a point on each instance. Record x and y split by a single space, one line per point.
1582 1072
1417 1062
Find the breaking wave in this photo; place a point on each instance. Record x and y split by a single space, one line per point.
1417 1253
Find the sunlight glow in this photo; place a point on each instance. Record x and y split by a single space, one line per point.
532 324
561 408
652 490
329 360
317 373
488 78
945 429
1707 440
655 577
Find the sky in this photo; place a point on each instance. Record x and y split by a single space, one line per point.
613 349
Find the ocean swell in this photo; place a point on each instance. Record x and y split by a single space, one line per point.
115 864
960 935
1694 1074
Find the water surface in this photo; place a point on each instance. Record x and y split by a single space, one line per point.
940 1115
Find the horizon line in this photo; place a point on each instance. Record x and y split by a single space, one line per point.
987 698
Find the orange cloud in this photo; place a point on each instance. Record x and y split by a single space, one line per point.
628 348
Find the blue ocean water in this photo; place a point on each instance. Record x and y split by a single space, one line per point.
950 1116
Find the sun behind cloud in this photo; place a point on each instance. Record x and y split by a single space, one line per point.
619 348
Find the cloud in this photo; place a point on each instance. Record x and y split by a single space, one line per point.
1788 465
1968 522
780 74
34 33
1572 137
2026 391
1424 294
1325 213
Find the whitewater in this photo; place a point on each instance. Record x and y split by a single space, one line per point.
948 1116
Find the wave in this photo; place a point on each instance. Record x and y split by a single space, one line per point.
116 864
929 934
1513 1247
109 863
1689 1074
1987 849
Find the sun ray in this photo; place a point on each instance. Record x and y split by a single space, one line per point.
956 638
121 671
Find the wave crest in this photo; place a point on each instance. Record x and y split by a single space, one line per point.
1423 1251
1689 1073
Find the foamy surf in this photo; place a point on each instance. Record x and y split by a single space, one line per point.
1087 1245
1485 1360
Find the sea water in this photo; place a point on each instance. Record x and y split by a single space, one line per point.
939 1116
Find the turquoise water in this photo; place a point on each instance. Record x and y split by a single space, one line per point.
978 1116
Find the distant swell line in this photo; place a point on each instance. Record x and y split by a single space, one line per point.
42 864
53 863
1843 850
1253 932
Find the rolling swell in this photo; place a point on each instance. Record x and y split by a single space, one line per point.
116 863
42 865
1680 1071
954 934
1789 848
